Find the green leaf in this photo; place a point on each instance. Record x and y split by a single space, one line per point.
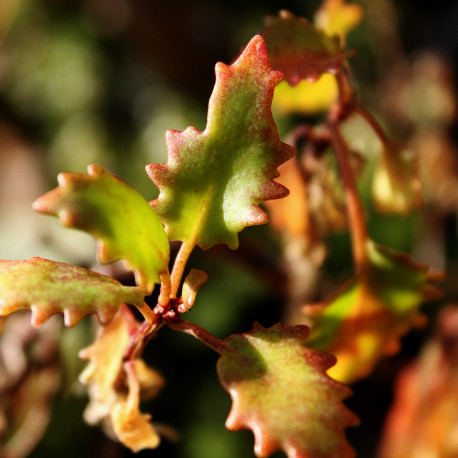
280 390
300 50
49 287
214 180
121 220
365 319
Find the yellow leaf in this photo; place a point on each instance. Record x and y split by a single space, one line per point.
365 319
106 358
336 17
306 97
132 427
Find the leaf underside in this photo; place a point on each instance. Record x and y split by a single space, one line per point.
121 220
49 287
365 319
214 180
280 390
299 50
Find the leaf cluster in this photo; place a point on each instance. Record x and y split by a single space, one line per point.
287 384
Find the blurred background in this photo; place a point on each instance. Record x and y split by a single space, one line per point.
100 81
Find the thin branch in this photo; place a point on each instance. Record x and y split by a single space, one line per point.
346 91
141 337
354 207
196 331
373 123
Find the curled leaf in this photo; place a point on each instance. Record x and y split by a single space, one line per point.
280 390
214 180
121 220
105 357
49 287
365 319
132 427
300 50
105 379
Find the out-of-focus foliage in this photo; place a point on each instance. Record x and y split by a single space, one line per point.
300 50
364 321
29 381
423 420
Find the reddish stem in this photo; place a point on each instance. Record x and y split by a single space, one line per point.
355 209
142 335
195 330
346 92
373 123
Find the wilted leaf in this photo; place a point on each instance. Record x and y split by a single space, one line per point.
300 50
280 390
149 379
365 319
104 376
119 218
214 180
132 427
106 361
396 185
49 287
336 17
423 420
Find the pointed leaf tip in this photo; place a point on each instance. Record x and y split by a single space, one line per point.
214 181
120 219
